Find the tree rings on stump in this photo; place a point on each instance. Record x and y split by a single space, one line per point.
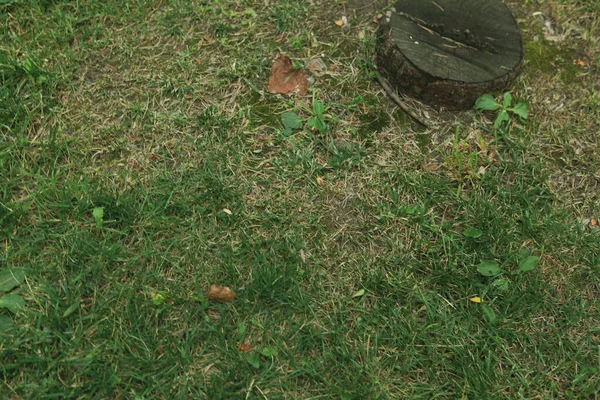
449 52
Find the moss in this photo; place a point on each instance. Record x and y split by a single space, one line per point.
264 111
401 117
371 100
542 56
372 122
423 140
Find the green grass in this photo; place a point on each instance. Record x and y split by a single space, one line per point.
355 285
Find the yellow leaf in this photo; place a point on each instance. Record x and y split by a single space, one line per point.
339 22
320 181
475 299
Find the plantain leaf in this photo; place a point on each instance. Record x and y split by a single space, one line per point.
291 120
489 268
520 109
486 102
507 100
489 314
528 263
473 233
502 117
269 352
13 302
6 325
253 359
318 107
501 284
11 278
98 214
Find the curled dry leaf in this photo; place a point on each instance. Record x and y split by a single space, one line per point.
285 79
220 293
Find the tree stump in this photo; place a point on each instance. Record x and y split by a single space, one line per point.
449 52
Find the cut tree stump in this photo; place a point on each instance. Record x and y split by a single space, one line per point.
447 53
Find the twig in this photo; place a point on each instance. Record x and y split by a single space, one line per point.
397 99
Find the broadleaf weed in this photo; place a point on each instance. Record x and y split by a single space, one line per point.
487 102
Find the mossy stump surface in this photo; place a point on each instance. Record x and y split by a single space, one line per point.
449 52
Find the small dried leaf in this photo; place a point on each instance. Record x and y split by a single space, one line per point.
320 181
285 79
220 293
339 22
152 156
244 347
316 66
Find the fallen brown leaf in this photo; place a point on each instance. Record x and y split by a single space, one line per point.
320 181
220 293
285 79
339 22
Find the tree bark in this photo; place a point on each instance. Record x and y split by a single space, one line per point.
449 52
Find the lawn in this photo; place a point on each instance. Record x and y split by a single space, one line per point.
143 160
